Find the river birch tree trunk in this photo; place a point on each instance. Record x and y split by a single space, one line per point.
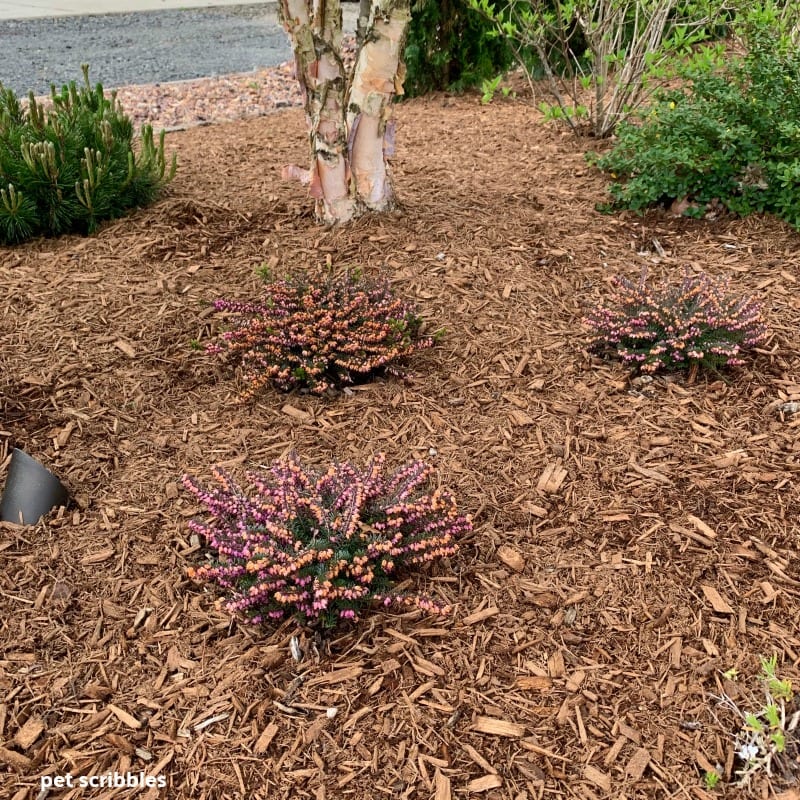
351 133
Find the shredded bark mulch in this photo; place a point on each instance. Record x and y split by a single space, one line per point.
633 540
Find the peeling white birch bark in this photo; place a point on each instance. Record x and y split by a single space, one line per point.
315 30
377 78
350 131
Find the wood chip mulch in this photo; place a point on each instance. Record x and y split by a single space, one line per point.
632 542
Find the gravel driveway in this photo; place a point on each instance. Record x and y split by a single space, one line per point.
145 47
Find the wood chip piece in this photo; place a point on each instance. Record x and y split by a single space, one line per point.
14 759
543 599
770 593
124 717
638 764
551 479
730 459
575 680
701 526
120 742
295 413
265 739
126 348
511 558
29 732
576 598
555 665
64 434
520 418
691 534
479 616
208 722
532 508
615 750
650 473
337 676
498 727
176 662
484 784
312 732
98 557
704 763
534 683
97 691
718 603
598 778
479 759
441 785
629 732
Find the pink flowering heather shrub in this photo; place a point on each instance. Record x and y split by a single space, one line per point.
319 335
323 545
674 326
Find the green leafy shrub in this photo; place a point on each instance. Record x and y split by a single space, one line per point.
450 46
731 137
68 167
324 545
319 336
489 88
674 326
602 59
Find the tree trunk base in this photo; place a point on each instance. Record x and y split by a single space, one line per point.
350 131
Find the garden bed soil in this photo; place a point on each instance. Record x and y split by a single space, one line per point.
632 541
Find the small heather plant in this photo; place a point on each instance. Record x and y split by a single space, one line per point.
319 336
323 546
675 326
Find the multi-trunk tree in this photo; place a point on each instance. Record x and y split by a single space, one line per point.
348 111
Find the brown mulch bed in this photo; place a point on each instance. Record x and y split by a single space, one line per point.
632 541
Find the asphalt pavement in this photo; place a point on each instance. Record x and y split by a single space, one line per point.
28 9
131 45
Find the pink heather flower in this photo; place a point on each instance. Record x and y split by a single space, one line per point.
676 325
318 544
319 335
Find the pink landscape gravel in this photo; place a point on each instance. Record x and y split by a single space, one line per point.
201 101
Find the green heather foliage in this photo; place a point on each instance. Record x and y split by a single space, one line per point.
323 545
675 325
68 167
450 46
319 335
731 137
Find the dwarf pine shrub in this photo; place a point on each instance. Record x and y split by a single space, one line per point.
319 335
325 545
67 167
675 325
